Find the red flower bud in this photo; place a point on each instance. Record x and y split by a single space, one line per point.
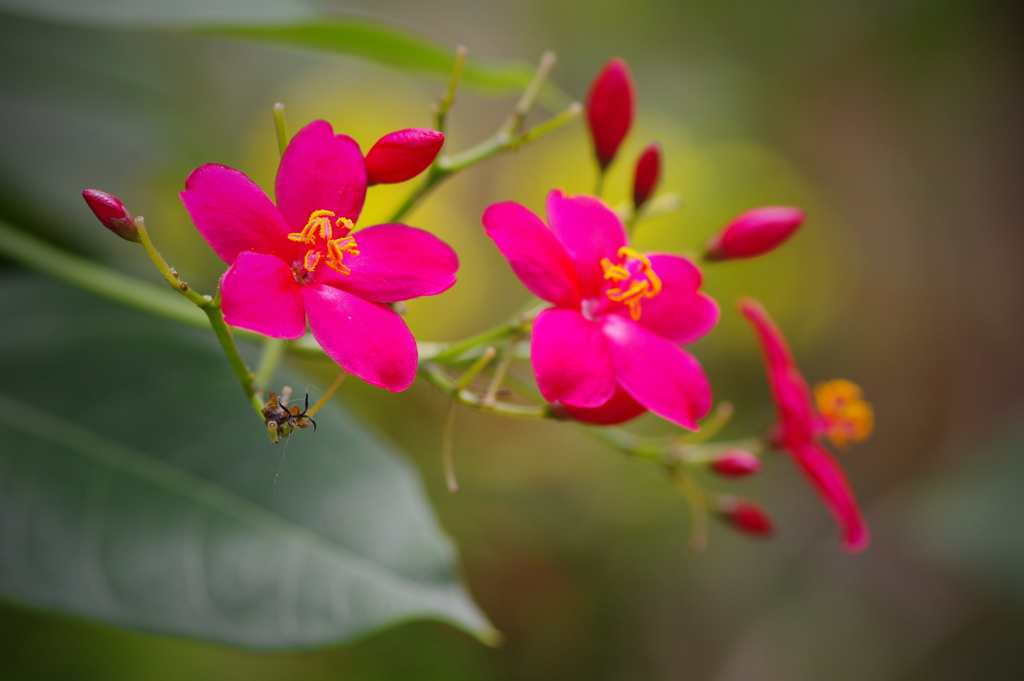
745 516
112 214
736 463
755 232
610 105
647 174
402 155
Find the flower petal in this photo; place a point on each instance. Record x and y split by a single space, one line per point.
589 231
320 171
365 338
656 372
680 312
829 480
260 294
235 215
570 359
619 409
536 256
395 262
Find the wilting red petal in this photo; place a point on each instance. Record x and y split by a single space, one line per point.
746 516
570 359
610 104
402 155
657 373
647 174
619 409
320 171
260 294
828 479
736 463
234 215
680 312
589 231
112 213
365 338
535 254
395 262
755 232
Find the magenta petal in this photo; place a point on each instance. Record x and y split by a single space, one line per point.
619 409
570 359
589 231
234 215
260 294
395 262
536 256
365 338
828 479
320 171
657 373
680 312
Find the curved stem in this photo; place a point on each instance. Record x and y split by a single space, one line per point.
327 395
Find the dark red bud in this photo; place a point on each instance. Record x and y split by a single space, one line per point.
112 214
755 232
647 174
402 155
745 516
736 463
610 105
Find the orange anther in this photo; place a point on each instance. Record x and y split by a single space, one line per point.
848 417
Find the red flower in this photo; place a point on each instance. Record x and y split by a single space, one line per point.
301 258
610 105
402 155
754 232
112 213
799 426
609 348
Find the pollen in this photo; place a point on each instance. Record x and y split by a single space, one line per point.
642 282
317 233
848 417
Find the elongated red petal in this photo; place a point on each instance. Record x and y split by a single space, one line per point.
402 155
365 338
570 359
535 254
260 294
829 480
235 215
610 105
320 171
657 373
395 262
755 232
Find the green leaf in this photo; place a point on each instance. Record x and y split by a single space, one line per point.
137 487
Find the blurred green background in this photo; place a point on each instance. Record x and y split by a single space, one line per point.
896 124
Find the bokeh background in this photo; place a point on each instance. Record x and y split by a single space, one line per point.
896 124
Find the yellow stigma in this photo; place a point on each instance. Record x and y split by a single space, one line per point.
638 289
848 417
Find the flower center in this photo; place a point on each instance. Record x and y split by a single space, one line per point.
848 417
633 279
317 233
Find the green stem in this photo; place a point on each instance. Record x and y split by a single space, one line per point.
279 126
327 395
525 103
168 272
273 351
599 185
499 374
436 375
445 105
245 377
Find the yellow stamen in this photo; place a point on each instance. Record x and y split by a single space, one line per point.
848 417
336 251
318 218
638 289
311 260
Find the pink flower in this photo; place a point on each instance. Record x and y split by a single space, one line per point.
301 257
799 428
610 104
609 347
754 232
402 155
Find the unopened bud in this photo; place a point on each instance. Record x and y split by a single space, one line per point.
755 232
745 516
112 214
402 155
647 174
736 463
610 105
